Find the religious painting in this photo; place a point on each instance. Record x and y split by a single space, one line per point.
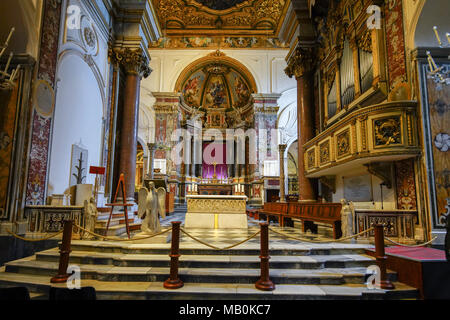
311 156
78 167
191 89
343 143
324 150
387 131
216 95
358 188
240 91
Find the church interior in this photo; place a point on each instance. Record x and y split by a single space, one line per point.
236 149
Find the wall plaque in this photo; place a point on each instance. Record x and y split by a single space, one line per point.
358 188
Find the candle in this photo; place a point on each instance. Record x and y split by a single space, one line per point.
14 74
9 36
9 61
437 35
429 60
448 37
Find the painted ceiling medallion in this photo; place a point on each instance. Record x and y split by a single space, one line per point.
220 5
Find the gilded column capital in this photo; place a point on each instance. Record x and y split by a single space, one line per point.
133 60
301 62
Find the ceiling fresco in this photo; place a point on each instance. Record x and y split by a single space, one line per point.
220 5
229 17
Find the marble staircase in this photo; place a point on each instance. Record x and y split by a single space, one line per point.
123 270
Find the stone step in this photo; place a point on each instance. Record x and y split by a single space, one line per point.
326 276
113 222
251 249
105 216
40 285
117 230
210 261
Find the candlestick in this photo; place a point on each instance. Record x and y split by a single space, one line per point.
14 74
437 35
9 36
9 61
429 60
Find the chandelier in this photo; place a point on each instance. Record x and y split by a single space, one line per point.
7 79
440 75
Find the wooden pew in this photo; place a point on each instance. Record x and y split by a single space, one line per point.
275 209
329 213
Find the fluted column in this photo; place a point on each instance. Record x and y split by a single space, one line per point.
135 65
281 150
300 66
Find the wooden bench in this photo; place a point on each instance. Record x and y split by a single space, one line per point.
308 213
274 209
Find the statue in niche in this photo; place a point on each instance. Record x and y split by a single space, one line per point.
151 205
347 218
90 216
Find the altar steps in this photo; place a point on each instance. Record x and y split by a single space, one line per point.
136 271
40 287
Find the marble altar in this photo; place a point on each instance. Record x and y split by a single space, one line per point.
216 211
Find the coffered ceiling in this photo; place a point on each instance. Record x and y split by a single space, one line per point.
221 18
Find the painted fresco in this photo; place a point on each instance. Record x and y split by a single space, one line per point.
216 93
240 92
216 86
192 89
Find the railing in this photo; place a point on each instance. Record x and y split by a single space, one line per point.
398 223
48 219
263 283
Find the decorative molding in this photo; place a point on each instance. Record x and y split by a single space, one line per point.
133 60
301 62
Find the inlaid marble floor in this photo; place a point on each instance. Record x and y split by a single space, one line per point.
226 237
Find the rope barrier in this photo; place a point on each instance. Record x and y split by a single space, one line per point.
122 240
217 248
410 246
33 240
321 241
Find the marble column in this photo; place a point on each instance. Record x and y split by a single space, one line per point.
135 65
300 66
281 150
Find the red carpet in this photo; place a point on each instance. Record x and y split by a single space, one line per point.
419 253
